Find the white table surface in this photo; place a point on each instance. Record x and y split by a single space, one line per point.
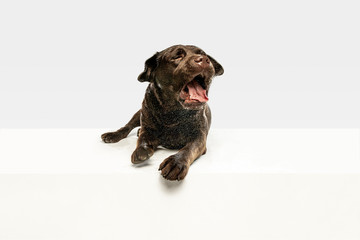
251 184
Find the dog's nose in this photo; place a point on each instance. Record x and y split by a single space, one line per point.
203 61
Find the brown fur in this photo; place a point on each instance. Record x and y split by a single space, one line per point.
166 118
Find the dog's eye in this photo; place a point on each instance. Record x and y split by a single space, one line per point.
178 56
180 53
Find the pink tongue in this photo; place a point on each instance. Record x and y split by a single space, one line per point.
197 92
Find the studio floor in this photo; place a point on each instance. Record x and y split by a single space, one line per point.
251 184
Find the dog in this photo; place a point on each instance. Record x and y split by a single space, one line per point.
174 112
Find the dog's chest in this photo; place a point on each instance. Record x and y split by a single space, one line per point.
178 137
178 129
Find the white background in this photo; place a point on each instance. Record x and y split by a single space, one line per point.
75 63
252 184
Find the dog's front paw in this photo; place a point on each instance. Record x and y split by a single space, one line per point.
112 137
141 154
174 168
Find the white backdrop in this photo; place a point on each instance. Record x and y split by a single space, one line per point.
75 63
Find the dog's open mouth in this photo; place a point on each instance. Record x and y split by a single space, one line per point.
195 91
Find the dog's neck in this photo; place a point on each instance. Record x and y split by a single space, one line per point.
162 99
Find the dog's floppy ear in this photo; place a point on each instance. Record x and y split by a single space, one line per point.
218 68
150 66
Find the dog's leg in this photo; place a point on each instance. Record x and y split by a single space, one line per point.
145 148
113 137
177 166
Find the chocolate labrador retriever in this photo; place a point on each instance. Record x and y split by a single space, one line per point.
174 112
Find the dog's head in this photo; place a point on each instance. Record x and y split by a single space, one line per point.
182 73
